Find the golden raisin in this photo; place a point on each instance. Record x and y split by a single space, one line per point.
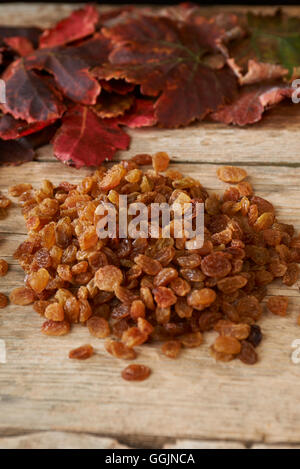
107 278
98 327
228 345
82 353
278 305
231 174
54 328
136 373
55 312
171 348
3 301
3 267
160 161
119 350
22 296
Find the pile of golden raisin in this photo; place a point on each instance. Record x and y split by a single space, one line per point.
140 290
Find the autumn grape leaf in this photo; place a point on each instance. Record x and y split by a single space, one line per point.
251 103
170 60
11 128
69 70
86 140
270 51
142 114
21 45
94 51
81 23
29 96
14 152
30 33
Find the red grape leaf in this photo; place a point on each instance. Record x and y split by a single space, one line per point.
70 72
30 97
14 152
251 103
111 105
19 44
93 51
11 128
142 114
30 33
86 140
170 60
81 23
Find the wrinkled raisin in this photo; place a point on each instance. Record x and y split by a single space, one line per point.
120 350
3 267
255 336
216 265
107 278
160 161
136 373
191 340
231 174
3 301
171 348
55 312
54 328
228 345
98 327
22 296
164 297
248 354
278 305
81 353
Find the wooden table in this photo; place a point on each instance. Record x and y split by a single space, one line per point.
47 400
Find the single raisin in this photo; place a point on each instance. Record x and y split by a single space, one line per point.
136 373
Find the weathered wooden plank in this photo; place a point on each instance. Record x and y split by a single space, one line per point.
45 14
46 379
272 447
194 397
59 440
271 141
196 444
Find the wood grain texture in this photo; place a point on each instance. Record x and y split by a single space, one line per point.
42 390
194 397
59 440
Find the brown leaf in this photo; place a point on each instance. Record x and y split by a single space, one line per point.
251 103
30 97
69 70
169 59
